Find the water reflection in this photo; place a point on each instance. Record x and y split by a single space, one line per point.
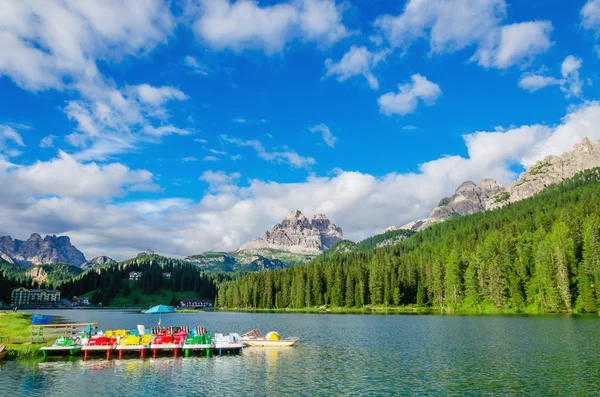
342 355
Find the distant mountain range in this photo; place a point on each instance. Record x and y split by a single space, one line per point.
38 251
296 239
470 198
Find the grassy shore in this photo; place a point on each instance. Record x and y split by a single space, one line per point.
409 309
15 329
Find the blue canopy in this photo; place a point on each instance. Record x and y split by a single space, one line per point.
160 309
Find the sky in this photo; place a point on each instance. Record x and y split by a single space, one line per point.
195 125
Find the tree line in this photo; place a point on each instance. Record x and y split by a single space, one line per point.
541 254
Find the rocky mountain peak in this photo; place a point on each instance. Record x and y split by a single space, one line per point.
297 234
490 194
38 251
97 261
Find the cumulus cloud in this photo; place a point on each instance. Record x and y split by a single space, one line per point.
515 44
358 61
325 132
158 95
56 44
47 141
363 204
532 82
452 25
287 156
407 99
590 15
245 24
570 83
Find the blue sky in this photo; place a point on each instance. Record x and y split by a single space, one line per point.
195 125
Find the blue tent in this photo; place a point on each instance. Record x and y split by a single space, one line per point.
160 309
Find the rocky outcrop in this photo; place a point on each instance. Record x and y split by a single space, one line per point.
145 253
467 199
470 198
37 251
549 171
97 261
298 235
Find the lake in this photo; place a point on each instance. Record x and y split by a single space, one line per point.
338 355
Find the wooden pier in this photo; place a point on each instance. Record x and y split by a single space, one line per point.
49 332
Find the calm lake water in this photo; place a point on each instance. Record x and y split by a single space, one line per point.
339 355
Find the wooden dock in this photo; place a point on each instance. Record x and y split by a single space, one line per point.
49 332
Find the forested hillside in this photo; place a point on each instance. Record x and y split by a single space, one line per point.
108 280
540 255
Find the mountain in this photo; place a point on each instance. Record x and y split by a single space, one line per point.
293 241
53 273
296 234
537 255
97 261
232 262
470 198
38 251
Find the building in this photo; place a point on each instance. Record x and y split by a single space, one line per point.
19 297
166 276
196 303
44 296
135 276
38 297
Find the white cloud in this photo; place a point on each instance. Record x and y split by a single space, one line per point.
517 43
45 44
569 70
47 141
245 24
217 152
289 157
199 140
452 25
325 132
189 159
159 95
56 177
407 99
357 61
570 83
7 133
239 120
532 82
195 65
39 197
590 15
56 44
219 177
210 158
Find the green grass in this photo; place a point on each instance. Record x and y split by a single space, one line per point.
14 331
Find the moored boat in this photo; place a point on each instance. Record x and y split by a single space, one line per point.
256 338
63 345
135 342
198 340
100 343
227 343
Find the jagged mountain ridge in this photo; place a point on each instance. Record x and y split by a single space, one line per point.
298 235
470 198
38 251
97 261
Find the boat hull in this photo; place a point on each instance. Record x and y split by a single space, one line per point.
61 350
270 343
